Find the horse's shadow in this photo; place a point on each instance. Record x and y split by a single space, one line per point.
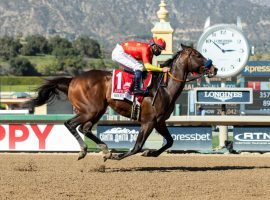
184 169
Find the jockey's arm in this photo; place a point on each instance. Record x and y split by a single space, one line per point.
150 67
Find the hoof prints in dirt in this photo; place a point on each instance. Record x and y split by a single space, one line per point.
100 168
26 167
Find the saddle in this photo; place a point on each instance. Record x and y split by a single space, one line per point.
123 84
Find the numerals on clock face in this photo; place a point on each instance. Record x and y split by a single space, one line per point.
227 48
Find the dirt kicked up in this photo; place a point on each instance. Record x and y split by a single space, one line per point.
170 176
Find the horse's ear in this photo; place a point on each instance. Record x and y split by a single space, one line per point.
183 46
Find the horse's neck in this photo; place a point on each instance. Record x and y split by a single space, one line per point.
175 88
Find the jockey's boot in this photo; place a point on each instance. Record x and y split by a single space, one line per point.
137 83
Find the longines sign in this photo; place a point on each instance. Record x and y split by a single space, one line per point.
223 95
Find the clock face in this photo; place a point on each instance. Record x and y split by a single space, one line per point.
227 47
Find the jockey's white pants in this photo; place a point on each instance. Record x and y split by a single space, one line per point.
125 60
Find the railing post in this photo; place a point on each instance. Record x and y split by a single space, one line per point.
223 130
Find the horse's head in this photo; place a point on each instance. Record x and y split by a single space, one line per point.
195 62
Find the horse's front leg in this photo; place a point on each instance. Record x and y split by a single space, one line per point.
163 130
145 131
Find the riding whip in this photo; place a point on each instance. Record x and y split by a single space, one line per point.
159 85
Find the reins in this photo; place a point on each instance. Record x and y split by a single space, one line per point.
180 81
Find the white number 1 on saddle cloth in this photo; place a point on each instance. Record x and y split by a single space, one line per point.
122 85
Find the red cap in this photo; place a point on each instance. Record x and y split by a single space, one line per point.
160 42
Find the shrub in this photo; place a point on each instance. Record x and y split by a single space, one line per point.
22 67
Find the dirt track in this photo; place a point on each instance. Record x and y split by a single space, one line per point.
61 176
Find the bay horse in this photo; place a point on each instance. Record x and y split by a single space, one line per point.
90 94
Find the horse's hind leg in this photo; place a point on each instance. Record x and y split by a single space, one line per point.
86 129
71 126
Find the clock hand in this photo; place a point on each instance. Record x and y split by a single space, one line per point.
219 47
229 50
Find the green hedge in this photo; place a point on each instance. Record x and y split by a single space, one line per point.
21 80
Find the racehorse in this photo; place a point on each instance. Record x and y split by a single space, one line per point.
90 94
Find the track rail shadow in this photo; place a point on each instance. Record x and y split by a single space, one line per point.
184 169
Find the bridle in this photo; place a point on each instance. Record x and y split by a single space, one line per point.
206 66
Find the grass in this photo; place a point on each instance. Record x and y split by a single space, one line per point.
4 63
17 88
215 140
41 60
42 63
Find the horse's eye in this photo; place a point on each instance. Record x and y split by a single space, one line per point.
199 55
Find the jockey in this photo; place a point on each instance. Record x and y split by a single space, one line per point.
136 56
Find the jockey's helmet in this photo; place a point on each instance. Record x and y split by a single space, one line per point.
159 42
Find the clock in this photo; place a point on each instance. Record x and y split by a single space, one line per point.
227 47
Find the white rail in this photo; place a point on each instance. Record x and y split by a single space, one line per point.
219 120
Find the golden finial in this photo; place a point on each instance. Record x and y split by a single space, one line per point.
162 13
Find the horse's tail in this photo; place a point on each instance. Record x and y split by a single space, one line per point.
47 91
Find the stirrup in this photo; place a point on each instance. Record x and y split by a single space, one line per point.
138 91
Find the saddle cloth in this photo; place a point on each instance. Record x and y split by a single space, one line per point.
122 85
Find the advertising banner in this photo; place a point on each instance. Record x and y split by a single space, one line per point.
34 137
251 138
223 95
257 68
118 136
191 138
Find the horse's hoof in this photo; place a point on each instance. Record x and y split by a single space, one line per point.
107 156
82 153
114 157
146 153
149 153
104 148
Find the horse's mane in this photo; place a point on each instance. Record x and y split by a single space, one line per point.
169 62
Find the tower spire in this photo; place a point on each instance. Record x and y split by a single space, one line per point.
162 28
163 12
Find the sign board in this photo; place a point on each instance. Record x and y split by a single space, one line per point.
257 68
118 136
191 138
261 101
223 95
36 137
251 138
231 109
